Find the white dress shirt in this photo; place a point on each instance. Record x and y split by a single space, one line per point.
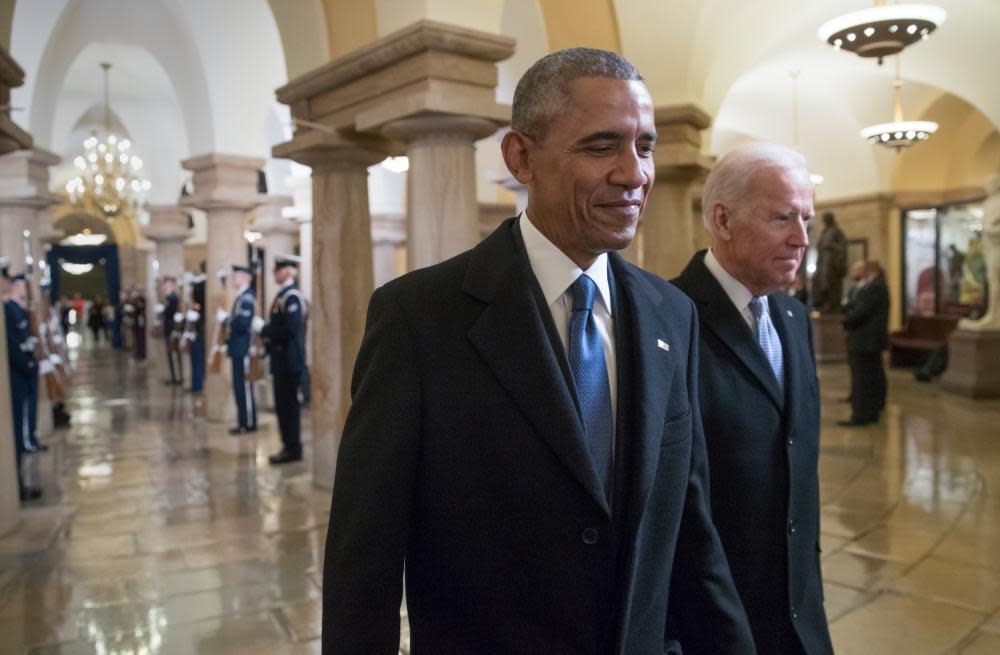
737 292
555 273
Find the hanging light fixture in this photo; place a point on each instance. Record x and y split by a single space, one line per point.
108 181
898 134
815 178
882 30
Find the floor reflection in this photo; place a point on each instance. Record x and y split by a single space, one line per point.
162 534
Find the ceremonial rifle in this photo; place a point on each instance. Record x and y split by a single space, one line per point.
220 333
256 369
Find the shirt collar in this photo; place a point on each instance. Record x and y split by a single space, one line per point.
737 292
287 284
555 271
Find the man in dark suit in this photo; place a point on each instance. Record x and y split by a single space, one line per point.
524 438
866 321
284 335
172 305
759 396
241 330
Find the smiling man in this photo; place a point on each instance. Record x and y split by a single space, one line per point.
524 439
759 392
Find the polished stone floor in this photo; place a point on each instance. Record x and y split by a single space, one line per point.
162 534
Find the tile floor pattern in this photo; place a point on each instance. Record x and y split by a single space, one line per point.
173 537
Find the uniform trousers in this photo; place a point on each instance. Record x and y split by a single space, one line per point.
246 408
197 364
286 406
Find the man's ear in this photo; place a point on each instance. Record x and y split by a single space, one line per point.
515 148
722 220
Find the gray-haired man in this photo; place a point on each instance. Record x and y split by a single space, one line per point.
525 436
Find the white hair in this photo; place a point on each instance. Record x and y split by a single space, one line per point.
728 182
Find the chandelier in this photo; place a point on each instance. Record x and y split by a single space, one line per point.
898 134
108 181
882 30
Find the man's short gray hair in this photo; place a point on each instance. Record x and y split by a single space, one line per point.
543 89
729 180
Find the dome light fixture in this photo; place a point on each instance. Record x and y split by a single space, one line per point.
898 134
882 30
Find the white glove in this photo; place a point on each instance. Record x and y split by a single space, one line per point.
159 307
45 367
128 308
191 315
221 315
29 343
178 317
55 359
257 324
57 337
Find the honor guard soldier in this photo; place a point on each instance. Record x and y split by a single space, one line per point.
195 317
285 338
23 377
172 303
241 324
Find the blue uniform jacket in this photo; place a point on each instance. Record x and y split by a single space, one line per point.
285 332
240 321
20 354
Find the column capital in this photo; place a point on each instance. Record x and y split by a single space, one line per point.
268 216
24 178
166 223
12 137
323 151
439 128
678 147
223 182
425 68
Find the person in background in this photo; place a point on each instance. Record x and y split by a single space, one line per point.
866 320
23 370
241 328
95 318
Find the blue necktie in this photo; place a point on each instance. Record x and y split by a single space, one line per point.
767 338
590 374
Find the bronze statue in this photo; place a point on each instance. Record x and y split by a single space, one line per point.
831 267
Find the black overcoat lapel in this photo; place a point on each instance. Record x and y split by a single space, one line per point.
511 338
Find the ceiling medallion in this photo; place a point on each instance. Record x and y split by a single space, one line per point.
882 30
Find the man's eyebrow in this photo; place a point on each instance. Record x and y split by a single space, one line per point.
613 136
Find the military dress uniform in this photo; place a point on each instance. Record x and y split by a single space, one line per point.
169 325
238 349
197 351
23 381
285 338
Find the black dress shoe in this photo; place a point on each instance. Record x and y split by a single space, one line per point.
238 430
29 493
36 448
284 457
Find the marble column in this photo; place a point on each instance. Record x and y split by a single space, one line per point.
511 183
442 209
225 188
12 138
278 234
168 229
388 241
671 230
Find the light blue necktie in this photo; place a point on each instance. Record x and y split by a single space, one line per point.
590 374
767 338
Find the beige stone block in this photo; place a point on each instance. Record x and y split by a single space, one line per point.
951 582
984 643
859 571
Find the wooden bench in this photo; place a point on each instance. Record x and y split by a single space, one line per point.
912 345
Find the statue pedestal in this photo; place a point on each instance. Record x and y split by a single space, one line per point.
829 338
972 364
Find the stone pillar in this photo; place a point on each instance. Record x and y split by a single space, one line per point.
442 209
12 138
388 240
301 187
671 231
225 188
279 238
168 229
520 190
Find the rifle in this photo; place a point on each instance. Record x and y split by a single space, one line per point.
256 369
191 316
45 366
54 341
177 332
220 334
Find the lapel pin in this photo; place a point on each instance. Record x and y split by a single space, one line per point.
789 313
660 343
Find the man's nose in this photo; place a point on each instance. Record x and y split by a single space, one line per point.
630 170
